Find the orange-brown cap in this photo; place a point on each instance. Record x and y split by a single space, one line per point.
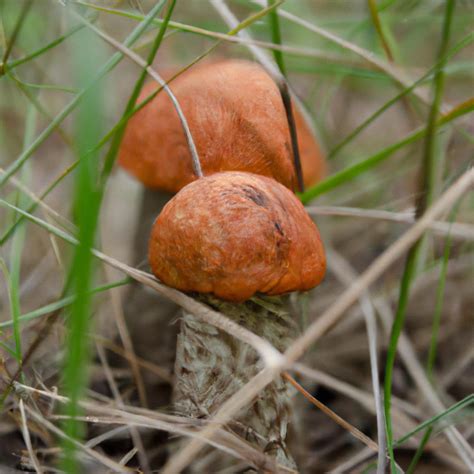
234 234
237 120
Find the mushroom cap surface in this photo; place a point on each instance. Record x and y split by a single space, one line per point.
238 122
234 234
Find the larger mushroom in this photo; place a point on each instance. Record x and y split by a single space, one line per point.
237 119
238 241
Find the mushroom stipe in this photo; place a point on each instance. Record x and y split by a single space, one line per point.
211 366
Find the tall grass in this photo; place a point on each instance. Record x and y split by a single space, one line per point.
430 173
90 185
88 56
323 54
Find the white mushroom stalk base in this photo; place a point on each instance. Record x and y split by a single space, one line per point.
212 365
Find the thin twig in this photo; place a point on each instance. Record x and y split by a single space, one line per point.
27 438
104 460
135 435
457 230
334 416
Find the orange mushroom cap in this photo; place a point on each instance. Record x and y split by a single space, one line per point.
234 234
237 120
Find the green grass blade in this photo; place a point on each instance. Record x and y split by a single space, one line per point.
18 242
13 277
16 352
378 28
439 302
361 167
45 225
9 232
433 163
50 87
419 452
430 167
39 107
16 31
44 49
464 403
103 70
451 53
62 303
87 58
182 26
398 323
118 135
276 37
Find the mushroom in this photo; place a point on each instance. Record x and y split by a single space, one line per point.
239 242
238 122
237 119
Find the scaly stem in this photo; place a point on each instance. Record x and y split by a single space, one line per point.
211 366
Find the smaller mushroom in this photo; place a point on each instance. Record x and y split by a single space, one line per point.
237 120
237 241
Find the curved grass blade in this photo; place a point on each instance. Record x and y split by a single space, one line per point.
419 451
439 300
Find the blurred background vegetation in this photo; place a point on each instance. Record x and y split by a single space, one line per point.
388 87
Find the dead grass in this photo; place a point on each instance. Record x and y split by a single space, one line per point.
343 73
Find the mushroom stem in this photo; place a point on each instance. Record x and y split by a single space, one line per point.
144 308
211 366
